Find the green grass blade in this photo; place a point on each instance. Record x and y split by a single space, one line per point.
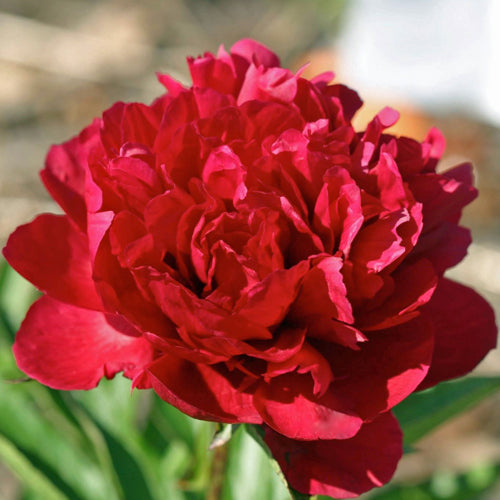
251 471
423 411
26 472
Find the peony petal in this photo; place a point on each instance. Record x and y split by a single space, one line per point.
444 196
53 254
223 172
444 246
253 51
379 244
121 292
465 331
305 360
129 122
338 215
388 367
323 293
65 171
214 73
173 86
162 215
203 391
288 405
285 344
393 194
348 101
414 285
268 302
330 330
67 348
340 468
271 84
200 317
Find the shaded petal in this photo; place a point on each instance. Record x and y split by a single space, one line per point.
162 215
53 254
445 246
387 368
288 405
413 287
465 331
203 391
199 317
324 328
340 468
268 302
121 292
444 196
285 344
67 348
305 360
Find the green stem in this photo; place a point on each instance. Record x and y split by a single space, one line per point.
217 473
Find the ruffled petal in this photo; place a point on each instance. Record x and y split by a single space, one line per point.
323 293
340 468
203 391
465 331
268 302
70 348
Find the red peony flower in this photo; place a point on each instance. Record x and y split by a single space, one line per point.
237 247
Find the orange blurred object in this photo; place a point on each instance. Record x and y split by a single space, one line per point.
413 122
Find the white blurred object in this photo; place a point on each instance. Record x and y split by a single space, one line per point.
436 53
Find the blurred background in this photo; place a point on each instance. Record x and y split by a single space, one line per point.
62 62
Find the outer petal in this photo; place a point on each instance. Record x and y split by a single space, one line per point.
386 369
53 254
340 468
66 347
253 51
65 171
288 405
465 331
202 391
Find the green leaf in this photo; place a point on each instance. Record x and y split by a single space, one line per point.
30 476
34 424
424 411
300 496
248 475
131 474
446 485
116 417
172 424
16 295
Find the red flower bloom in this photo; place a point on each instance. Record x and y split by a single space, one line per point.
239 248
